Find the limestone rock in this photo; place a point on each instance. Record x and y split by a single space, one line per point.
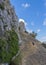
33 53
21 26
8 17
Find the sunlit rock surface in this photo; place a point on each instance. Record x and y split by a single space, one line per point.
8 17
32 52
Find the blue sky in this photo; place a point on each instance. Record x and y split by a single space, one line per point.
33 12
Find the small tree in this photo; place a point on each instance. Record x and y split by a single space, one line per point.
26 31
33 34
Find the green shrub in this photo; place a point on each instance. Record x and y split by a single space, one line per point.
8 46
33 34
26 31
2 48
2 6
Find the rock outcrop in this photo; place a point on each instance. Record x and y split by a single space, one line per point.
8 17
33 53
21 26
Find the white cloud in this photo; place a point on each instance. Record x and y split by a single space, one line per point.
30 31
44 14
26 5
44 22
38 30
32 23
43 38
22 20
45 4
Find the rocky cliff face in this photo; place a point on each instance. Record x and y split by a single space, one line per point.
33 53
31 50
8 17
